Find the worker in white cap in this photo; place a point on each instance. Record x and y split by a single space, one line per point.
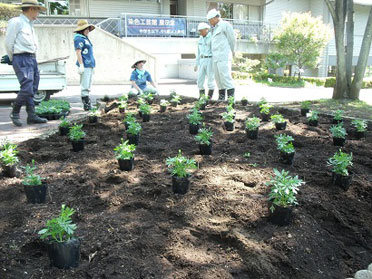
204 63
223 47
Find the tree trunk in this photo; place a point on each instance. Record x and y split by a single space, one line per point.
350 43
363 60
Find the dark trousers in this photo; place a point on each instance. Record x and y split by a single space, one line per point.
25 67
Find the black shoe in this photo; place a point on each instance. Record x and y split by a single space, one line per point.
201 93
86 103
14 115
210 93
32 118
231 92
221 94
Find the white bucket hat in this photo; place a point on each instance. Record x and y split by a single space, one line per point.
203 25
213 13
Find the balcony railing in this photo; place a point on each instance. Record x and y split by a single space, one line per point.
149 25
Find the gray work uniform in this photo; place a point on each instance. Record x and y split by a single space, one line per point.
223 44
204 62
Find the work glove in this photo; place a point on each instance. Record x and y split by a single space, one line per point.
81 69
195 68
6 60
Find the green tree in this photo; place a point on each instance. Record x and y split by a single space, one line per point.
301 39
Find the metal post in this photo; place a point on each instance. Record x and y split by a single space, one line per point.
125 25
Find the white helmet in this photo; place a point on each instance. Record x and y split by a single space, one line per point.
203 25
213 13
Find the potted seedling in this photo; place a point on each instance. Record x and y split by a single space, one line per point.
261 102
93 115
282 196
195 119
305 107
231 101
129 117
175 100
34 188
279 121
64 126
172 93
265 112
179 167
122 105
339 134
341 176
251 127
145 110
286 148
9 159
149 97
63 248
312 118
202 102
244 101
133 132
76 135
125 155
204 139
360 128
163 105
140 101
229 120
337 116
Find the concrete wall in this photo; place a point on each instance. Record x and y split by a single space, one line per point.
114 57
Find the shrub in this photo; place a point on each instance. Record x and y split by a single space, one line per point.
8 11
124 151
60 229
134 128
338 131
360 125
8 154
277 118
179 165
252 123
340 161
204 135
284 189
195 117
76 133
330 82
31 178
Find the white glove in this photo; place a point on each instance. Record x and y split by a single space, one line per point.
81 69
140 92
195 68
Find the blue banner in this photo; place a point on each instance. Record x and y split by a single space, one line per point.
156 26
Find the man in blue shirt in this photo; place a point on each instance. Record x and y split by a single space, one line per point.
85 60
21 47
139 79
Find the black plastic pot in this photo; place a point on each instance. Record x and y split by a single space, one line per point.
126 165
334 121
265 117
150 101
339 141
64 255
63 131
126 124
244 102
163 108
10 171
360 135
252 134
180 185
193 128
341 180
174 104
287 158
36 194
202 106
140 113
313 123
304 111
146 117
205 149
281 215
77 145
133 139
93 119
122 110
229 126
281 126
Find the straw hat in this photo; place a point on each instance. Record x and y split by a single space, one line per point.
213 13
139 61
203 25
83 24
32 3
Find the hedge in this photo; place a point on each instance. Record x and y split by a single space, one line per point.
8 11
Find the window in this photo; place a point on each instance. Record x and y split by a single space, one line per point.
240 12
58 7
237 11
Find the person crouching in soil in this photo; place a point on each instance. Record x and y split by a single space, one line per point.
139 79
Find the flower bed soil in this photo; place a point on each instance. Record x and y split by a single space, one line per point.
131 225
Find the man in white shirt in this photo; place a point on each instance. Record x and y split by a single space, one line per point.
223 47
204 63
21 46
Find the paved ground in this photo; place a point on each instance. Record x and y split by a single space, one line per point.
182 87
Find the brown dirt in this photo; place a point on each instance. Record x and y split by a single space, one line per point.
132 226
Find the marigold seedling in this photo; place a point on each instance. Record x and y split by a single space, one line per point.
8 154
195 117
76 133
265 108
204 136
338 131
145 109
31 178
252 123
180 165
65 123
277 118
312 115
360 125
338 115
124 151
134 128
340 162
305 104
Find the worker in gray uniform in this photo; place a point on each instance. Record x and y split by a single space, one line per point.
204 63
223 48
